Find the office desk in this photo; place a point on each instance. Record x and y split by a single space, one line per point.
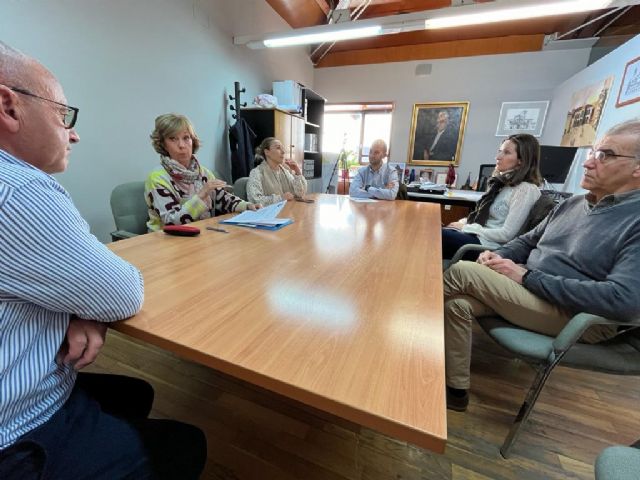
342 310
455 204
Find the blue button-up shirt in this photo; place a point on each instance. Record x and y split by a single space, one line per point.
377 183
51 267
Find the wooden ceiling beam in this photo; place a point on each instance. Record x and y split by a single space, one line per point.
382 9
301 13
432 51
324 6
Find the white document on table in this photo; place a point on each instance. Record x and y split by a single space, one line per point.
264 216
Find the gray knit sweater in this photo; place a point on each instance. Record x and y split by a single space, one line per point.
585 258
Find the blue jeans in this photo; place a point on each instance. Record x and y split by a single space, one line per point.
102 432
453 239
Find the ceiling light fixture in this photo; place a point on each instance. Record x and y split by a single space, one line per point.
334 36
516 13
474 14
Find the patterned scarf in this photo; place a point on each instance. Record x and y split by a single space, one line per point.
188 180
496 183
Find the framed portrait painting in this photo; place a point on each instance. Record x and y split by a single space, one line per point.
522 117
630 87
437 130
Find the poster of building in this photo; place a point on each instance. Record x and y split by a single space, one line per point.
583 117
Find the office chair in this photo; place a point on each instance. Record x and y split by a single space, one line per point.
129 210
240 187
619 355
619 463
486 170
402 192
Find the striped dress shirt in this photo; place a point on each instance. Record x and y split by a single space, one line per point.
51 267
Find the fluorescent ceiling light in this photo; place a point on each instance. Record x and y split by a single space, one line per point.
477 13
516 13
332 36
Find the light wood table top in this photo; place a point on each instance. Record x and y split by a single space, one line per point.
341 310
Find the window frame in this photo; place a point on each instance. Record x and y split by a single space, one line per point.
364 108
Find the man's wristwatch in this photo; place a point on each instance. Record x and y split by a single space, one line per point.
524 277
366 188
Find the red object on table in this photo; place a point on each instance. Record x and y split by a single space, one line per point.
451 175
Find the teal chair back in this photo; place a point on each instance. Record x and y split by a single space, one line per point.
619 463
240 187
129 210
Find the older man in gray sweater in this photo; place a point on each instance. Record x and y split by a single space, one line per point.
584 257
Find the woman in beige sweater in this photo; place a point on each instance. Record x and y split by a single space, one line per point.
274 179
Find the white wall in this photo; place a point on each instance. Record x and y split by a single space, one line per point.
125 62
612 64
484 81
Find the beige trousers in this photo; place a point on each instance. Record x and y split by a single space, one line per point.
472 290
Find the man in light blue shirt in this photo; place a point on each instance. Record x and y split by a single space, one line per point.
377 180
59 288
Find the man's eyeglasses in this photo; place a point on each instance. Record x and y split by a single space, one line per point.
69 114
604 156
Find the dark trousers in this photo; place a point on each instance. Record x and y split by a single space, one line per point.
102 432
453 239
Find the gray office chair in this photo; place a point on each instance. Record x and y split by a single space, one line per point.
240 187
619 355
129 210
402 192
619 463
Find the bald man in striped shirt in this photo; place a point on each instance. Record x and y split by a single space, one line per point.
59 288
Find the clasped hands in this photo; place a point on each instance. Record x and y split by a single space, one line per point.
455 225
82 343
504 266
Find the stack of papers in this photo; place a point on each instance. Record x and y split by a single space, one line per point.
432 186
265 218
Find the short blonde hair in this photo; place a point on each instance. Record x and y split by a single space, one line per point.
170 124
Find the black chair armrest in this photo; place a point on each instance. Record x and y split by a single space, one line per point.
463 250
121 235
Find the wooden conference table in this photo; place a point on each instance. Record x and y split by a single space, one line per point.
341 310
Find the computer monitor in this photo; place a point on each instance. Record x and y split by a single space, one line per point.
555 162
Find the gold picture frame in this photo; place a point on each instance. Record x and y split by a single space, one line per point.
437 130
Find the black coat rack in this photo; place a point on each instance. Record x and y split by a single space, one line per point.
236 98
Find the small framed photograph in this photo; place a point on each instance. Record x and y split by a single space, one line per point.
437 130
630 85
522 117
426 174
441 178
